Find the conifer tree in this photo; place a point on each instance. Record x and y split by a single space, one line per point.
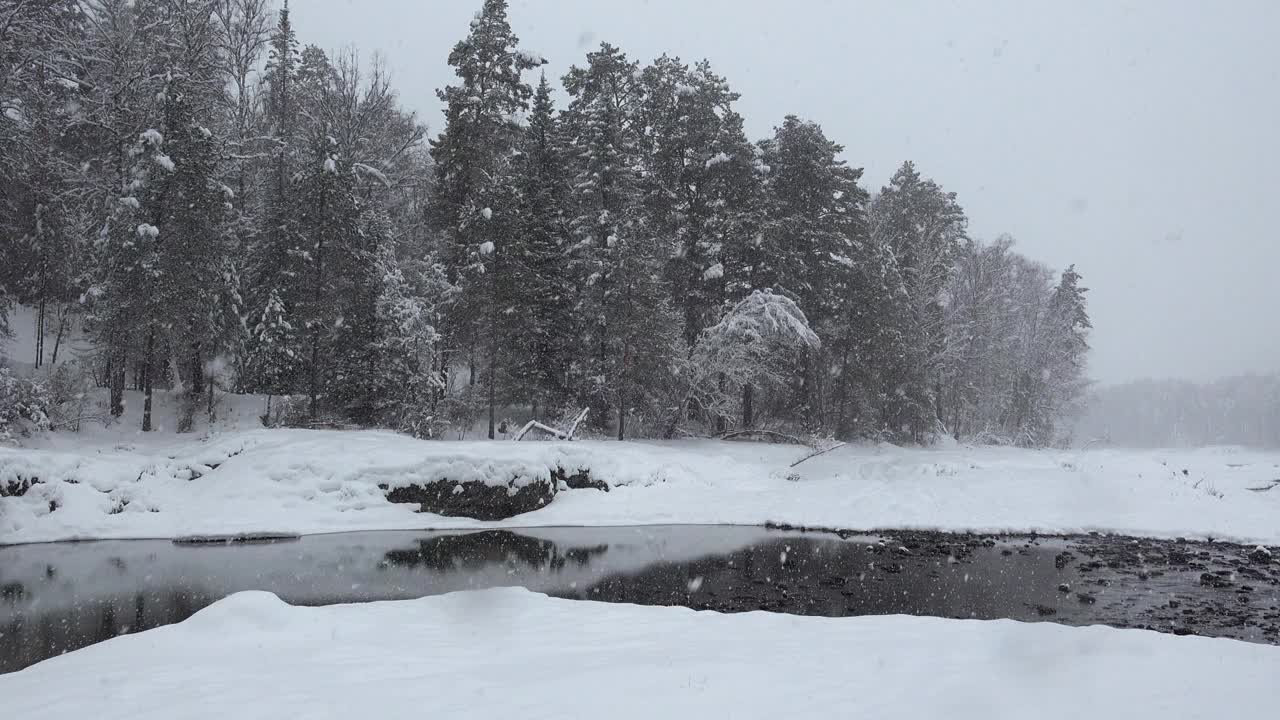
474 207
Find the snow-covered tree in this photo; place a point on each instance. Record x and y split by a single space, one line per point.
924 228
474 205
541 327
629 328
811 240
753 344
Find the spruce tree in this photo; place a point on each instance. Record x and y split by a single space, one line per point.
474 206
629 328
811 241
541 329
924 227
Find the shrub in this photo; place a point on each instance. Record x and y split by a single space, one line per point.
24 406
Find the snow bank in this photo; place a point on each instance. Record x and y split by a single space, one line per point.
507 653
309 481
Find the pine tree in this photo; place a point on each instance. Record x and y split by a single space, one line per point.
189 301
41 196
630 330
814 232
924 228
474 206
699 183
541 328
274 263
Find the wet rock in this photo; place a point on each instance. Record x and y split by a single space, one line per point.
1063 559
580 480
1087 598
1214 580
1064 588
476 499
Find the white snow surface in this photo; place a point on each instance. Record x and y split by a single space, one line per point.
511 653
238 477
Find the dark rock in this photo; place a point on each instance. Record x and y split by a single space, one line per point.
1260 555
1045 610
1214 580
580 480
476 499
1064 588
12 592
18 486
1174 604
1087 598
1062 559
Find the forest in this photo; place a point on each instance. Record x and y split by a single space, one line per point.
1239 410
222 208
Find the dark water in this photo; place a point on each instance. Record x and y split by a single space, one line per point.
58 597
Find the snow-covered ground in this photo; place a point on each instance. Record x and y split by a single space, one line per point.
509 653
122 484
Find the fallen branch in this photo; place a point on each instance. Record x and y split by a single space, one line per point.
577 421
545 428
76 420
770 435
816 453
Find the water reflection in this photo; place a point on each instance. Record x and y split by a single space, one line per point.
59 597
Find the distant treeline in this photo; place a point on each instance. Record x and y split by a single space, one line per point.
1242 410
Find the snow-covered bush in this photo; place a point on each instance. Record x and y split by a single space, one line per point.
69 392
24 406
747 346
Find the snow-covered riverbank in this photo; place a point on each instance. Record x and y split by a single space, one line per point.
511 653
300 481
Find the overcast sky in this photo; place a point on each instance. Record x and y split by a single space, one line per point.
1138 140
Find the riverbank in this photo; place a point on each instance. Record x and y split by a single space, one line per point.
313 481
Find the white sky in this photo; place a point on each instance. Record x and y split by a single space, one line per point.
1139 140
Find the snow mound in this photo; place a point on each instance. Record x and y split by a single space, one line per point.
504 653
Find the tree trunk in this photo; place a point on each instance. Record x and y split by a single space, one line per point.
197 370
40 334
842 394
57 340
313 384
720 418
492 394
209 401
748 410
622 420
146 381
